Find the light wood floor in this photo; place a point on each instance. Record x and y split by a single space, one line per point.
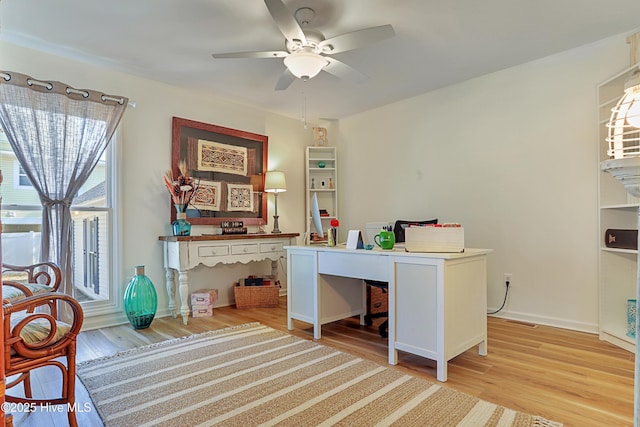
565 376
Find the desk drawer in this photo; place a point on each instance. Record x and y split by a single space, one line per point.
271 247
244 249
207 251
359 266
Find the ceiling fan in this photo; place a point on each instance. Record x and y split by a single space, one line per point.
308 51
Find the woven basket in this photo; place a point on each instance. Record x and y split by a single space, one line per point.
256 296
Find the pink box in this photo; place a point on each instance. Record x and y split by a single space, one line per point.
204 296
202 310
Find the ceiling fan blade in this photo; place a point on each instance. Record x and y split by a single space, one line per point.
266 54
285 21
285 80
344 71
356 39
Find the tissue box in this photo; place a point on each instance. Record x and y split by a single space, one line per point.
202 310
434 239
204 296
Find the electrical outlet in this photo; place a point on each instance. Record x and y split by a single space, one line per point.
507 278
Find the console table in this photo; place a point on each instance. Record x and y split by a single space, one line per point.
183 253
437 301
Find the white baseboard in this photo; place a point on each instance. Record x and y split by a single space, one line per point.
114 319
591 328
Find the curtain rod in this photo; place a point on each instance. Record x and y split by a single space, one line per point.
69 90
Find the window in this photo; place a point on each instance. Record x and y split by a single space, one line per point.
21 179
91 251
93 217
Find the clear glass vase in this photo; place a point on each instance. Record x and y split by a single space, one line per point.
181 227
140 300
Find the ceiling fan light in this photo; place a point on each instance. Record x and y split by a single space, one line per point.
305 65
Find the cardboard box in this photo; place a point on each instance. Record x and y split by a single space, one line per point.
204 296
434 239
202 310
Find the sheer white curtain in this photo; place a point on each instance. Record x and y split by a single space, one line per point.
58 134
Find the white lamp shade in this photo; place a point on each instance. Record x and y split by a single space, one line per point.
275 182
624 124
304 64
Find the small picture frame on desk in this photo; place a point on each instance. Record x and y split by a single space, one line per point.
354 240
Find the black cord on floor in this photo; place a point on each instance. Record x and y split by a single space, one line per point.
506 293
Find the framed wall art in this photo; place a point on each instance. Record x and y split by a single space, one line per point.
228 166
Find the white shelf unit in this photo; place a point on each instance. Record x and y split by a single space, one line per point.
618 268
321 178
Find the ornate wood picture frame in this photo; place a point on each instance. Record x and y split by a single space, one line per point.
229 164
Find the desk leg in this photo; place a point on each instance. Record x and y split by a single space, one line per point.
482 348
364 303
317 330
391 316
441 371
171 290
183 279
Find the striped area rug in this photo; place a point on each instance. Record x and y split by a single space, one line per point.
253 375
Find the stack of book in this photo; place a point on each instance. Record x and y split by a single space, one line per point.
233 227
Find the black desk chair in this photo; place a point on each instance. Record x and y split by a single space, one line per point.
398 231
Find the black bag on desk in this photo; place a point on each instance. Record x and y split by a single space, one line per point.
621 239
401 224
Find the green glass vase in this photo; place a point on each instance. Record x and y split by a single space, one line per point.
181 227
140 300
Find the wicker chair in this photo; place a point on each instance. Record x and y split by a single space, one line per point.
34 340
20 281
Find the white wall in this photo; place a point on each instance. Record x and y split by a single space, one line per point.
511 156
146 133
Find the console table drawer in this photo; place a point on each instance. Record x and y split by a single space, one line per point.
207 251
244 249
272 247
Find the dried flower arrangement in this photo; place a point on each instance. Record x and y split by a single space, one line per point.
183 187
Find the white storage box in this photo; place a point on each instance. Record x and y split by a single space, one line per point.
434 239
202 310
204 296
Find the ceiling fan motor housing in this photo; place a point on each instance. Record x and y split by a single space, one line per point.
313 40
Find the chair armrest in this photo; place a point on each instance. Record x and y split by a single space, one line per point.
34 335
47 273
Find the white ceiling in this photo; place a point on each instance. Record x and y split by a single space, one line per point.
437 43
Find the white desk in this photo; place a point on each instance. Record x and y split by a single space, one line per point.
437 301
183 253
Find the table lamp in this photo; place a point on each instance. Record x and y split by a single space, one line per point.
275 183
